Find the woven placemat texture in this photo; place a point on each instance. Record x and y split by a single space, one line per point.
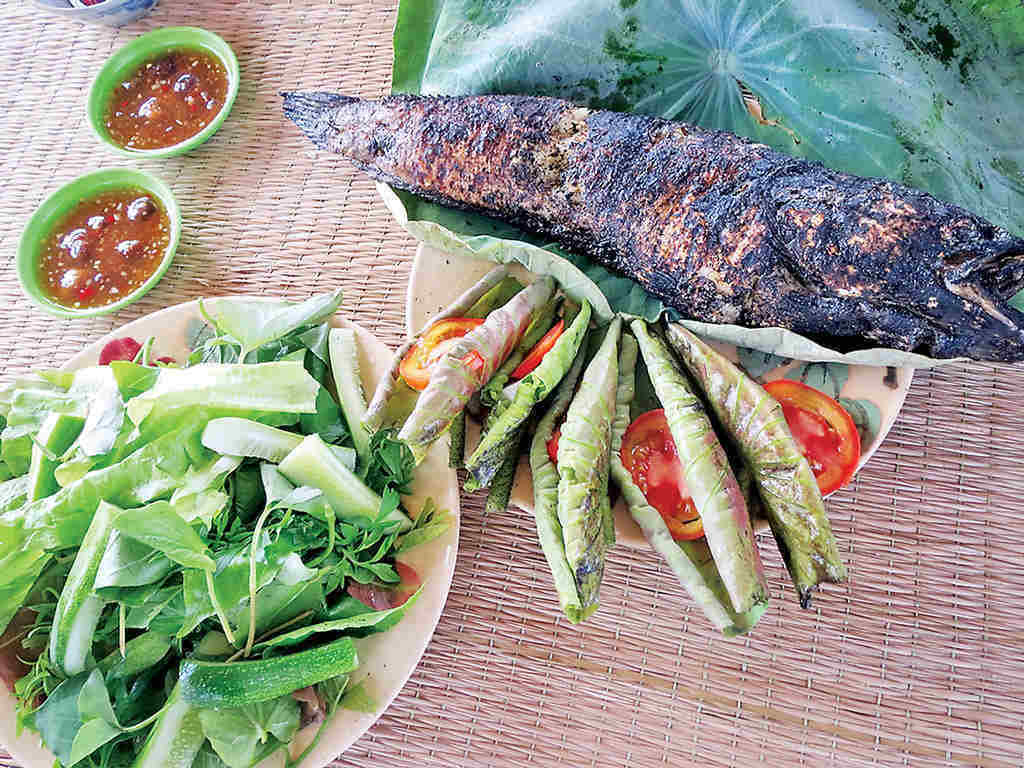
917 661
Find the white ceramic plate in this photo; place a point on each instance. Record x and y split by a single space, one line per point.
438 278
386 660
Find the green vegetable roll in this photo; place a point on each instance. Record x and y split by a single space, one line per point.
468 365
391 385
690 561
545 496
532 389
540 324
783 477
584 450
709 478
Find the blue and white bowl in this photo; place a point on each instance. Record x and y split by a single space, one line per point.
114 13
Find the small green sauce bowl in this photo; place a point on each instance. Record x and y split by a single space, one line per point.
127 61
60 203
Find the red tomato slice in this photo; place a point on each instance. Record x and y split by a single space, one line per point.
475 363
824 430
541 348
649 455
553 446
119 349
381 597
431 347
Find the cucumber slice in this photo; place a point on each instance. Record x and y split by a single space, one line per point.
313 463
175 739
57 434
346 455
233 436
79 607
219 684
344 355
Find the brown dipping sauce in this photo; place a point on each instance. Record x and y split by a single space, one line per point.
104 249
168 100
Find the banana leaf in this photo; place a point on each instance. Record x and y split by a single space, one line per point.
925 92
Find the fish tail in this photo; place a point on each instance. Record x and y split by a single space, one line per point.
311 111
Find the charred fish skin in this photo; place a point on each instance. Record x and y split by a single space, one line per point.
722 229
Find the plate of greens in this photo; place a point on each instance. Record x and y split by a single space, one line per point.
206 560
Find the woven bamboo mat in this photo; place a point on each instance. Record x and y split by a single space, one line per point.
917 661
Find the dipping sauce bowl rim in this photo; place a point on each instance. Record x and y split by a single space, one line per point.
61 202
126 61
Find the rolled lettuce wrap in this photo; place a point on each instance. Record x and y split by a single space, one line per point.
504 479
540 324
709 478
690 561
584 450
784 480
391 387
545 495
468 365
532 389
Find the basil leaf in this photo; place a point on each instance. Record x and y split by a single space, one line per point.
160 527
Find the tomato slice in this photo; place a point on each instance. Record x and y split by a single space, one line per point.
649 455
553 446
541 348
381 597
824 430
119 349
432 346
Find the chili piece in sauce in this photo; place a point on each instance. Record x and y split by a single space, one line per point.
104 248
168 100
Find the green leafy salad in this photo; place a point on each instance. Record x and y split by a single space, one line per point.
187 550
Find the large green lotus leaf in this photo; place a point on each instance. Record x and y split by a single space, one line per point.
925 92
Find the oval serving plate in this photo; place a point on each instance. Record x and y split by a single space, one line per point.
872 395
387 659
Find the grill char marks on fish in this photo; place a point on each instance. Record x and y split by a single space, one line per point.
720 228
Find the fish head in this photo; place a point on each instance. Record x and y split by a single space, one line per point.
987 275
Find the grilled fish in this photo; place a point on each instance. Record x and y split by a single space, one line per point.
720 228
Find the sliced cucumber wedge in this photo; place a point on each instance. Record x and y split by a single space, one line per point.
79 607
313 463
344 354
58 433
233 436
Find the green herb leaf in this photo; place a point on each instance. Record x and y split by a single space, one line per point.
431 523
359 625
357 698
91 736
128 562
391 463
58 720
142 615
141 652
327 422
161 528
254 322
94 701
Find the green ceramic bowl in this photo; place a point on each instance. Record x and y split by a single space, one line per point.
47 216
126 61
